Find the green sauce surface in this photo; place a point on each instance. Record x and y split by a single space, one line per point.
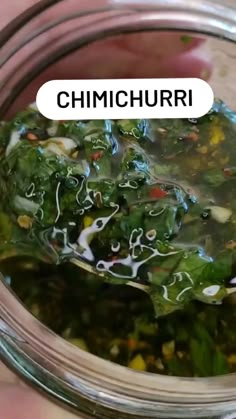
148 203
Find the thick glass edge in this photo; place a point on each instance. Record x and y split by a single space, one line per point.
191 19
21 20
213 8
72 376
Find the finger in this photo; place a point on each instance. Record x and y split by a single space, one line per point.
7 376
141 55
191 64
113 61
24 403
155 44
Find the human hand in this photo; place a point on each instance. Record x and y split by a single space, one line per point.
139 55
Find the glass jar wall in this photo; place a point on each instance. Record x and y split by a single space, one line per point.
54 31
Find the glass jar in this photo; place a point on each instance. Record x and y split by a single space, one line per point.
90 386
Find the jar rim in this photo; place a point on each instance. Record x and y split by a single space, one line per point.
225 12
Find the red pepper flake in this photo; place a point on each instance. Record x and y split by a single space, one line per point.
157 193
227 172
193 136
96 156
132 344
54 243
32 137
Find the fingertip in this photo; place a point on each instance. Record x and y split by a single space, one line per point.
24 403
194 63
155 44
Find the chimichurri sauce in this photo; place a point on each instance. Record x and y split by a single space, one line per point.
148 203
116 322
